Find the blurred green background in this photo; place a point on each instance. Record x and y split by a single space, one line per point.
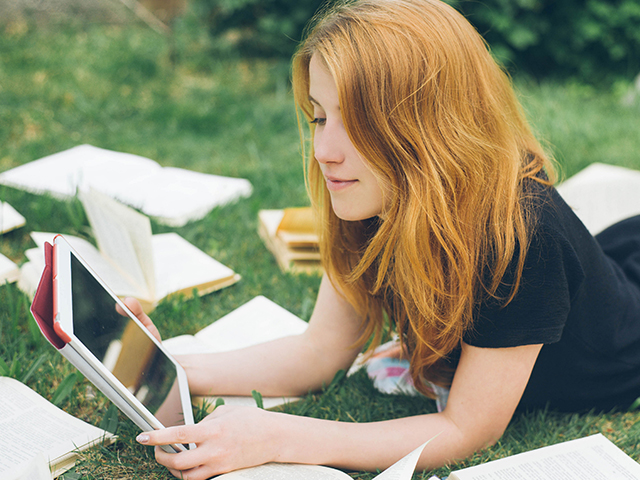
205 85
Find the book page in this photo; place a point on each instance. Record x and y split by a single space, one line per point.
98 263
270 219
124 237
9 218
602 195
176 196
64 173
9 271
36 469
286 471
185 345
173 195
594 457
29 424
181 266
29 277
245 400
257 321
401 470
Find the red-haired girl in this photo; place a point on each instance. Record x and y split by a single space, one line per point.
437 210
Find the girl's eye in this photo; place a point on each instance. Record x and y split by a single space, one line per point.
319 121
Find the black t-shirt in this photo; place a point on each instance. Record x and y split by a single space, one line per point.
580 297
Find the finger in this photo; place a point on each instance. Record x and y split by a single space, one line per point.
172 435
185 474
180 462
188 460
136 308
179 474
199 473
202 472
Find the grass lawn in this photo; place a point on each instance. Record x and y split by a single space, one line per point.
114 87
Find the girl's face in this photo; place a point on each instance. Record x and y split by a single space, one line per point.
354 190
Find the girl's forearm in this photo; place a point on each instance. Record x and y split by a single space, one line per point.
287 366
284 367
370 446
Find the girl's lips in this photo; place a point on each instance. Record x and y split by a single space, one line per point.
336 184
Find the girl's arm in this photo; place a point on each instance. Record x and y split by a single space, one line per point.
292 365
486 389
288 366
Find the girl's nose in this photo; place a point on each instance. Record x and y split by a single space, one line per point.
327 146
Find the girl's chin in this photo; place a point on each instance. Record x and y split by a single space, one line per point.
352 215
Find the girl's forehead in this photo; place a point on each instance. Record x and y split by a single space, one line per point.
322 86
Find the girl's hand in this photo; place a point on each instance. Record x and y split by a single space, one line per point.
228 439
135 307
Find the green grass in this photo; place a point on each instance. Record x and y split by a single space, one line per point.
114 87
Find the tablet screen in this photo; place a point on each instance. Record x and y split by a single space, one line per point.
123 347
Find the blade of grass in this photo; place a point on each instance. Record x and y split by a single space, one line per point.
34 366
64 389
4 368
110 420
257 396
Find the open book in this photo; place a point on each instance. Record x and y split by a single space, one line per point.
9 271
132 261
291 235
602 195
257 321
30 425
401 470
10 219
593 457
173 196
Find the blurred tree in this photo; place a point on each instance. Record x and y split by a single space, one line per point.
166 10
259 27
593 40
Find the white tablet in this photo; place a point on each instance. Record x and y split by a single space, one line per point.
113 350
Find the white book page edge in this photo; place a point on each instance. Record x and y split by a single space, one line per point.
9 218
257 321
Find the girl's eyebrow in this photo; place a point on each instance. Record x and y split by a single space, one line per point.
314 101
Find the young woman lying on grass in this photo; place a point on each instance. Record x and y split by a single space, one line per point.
438 211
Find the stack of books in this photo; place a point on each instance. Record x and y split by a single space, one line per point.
291 235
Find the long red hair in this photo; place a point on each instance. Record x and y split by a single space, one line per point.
438 122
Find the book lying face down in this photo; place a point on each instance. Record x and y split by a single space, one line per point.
100 336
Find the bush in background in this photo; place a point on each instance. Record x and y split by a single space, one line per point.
592 40
265 28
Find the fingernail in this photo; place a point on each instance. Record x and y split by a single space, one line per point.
142 438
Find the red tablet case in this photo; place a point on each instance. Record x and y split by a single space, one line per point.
42 305
43 312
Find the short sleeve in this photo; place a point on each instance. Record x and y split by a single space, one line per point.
537 314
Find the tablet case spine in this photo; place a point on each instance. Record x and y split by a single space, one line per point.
42 306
